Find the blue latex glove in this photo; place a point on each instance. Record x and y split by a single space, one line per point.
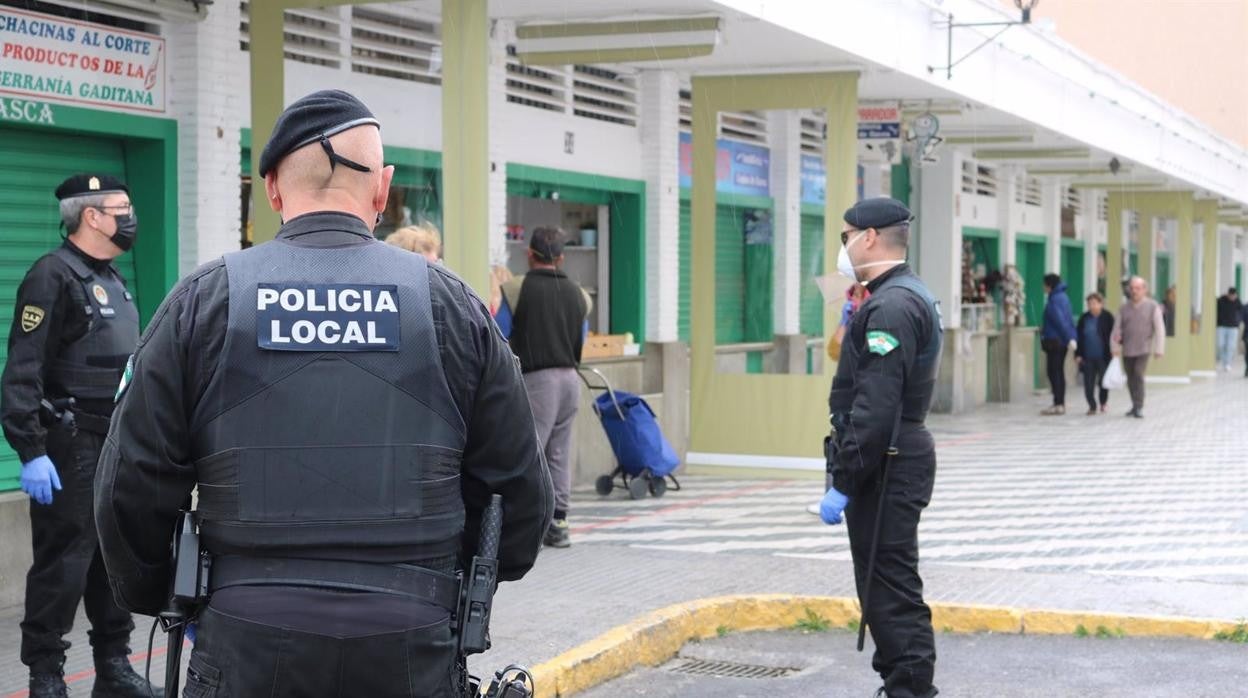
190 632
832 505
39 478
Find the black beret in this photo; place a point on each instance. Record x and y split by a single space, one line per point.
89 185
320 114
880 212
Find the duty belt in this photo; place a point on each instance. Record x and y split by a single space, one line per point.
403 580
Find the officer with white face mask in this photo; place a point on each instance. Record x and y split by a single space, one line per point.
881 458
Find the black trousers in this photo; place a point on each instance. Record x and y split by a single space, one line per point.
1093 372
1055 360
899 621
67 566
237 658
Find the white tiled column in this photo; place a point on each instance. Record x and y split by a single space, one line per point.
785 130
1008 213
660 136
502 32
209 112
1051 222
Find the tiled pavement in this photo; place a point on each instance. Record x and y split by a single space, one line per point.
1165 497
1085 513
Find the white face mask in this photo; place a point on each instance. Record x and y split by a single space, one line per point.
847 267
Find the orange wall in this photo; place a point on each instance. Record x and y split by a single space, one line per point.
1191 53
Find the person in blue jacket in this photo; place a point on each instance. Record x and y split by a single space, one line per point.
1057 336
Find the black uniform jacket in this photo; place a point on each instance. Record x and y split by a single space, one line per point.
145 474
876 381
56 296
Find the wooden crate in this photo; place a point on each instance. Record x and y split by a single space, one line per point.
602 346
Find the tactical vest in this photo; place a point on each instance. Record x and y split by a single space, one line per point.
90 367
328 430
920 379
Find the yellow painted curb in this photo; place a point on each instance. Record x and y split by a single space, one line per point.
657 636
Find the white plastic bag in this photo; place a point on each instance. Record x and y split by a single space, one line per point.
1115 378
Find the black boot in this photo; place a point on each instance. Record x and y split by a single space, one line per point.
115 678
48 685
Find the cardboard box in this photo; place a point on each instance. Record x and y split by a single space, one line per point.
603 346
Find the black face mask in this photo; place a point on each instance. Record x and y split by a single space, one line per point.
127 231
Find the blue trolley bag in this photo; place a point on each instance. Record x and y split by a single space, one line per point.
635 436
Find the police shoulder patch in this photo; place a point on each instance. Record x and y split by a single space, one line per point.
32 315
881 343
125 378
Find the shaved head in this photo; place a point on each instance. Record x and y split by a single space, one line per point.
306 180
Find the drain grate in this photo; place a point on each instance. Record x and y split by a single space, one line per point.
729 670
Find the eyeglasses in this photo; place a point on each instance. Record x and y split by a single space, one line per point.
124 209
845 235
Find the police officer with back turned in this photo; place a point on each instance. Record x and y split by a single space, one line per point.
75 324
347 411
881 457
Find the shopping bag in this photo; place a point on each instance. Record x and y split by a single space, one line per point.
1115 378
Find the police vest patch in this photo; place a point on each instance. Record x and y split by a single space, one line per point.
327 317
881 342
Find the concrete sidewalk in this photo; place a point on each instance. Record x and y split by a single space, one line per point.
970 666
1097 514
574 595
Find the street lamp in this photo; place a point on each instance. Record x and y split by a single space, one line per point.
1025 6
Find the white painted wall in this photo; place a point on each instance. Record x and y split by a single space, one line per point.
784 132
208 111
660 135
939 232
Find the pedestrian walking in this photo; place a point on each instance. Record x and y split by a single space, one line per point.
548 314
1096 329
347 411
1139 332
1243 317
1230 308
1057 336
75 324
881 456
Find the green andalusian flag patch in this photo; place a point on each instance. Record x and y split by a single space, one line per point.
125 378
881 342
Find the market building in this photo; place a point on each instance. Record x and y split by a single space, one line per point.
699 152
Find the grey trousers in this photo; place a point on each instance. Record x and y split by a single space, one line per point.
1135 366
554 395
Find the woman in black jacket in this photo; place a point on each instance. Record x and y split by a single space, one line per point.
1092 351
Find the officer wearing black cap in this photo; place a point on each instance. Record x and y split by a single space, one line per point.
346 410
881 458
74 325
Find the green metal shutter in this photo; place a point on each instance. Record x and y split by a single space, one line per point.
685 250
1072 274
729 275
35 162
810 300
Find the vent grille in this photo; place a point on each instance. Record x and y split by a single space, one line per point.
1029 192
978 179
743 126
814 132
729 670
1073 201
605 95
389 41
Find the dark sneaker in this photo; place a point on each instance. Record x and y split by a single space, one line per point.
48 686
557 535
115 678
